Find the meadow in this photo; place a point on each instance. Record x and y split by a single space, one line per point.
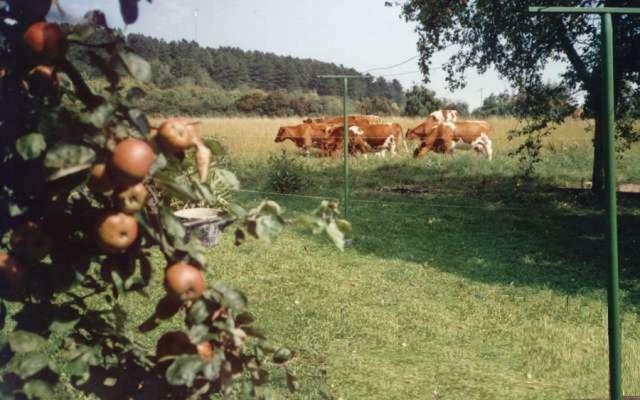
466 280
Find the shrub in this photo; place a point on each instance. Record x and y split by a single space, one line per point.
287 173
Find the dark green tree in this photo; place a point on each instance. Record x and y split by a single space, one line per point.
378 105
496 105
421 101
504 36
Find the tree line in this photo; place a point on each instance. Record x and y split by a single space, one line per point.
178 63
192 80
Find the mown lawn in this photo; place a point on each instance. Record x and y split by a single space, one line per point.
446 302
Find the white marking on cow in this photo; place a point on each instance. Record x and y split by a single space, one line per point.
356 130
450 115
483 144
438 115
448 124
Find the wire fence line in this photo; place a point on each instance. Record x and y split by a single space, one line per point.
423 203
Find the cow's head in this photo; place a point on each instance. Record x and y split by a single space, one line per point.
356 130
423 129
411 133
283 134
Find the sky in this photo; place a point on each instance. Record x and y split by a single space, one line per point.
362 34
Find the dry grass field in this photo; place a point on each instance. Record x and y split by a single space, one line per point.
254 136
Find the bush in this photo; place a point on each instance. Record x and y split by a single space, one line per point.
287 173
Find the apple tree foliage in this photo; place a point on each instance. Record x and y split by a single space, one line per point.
65 294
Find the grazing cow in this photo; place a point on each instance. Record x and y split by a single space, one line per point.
306 135
444 137
431 122
367 138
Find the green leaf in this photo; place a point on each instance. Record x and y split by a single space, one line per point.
198 312
81 32
183 370
136 66
271 207
31 146
211 369
204 192
244 318
28 364
24 342
118 283
38 389
61 173
172 225
158 163
336 235
65 156
81 359
140 121
195 249
344 226
100 116
254 332
236 210
268 227
315 224
64 319
232 298
217 149
282 355
228 177
197 333
178 190
133 281
60 327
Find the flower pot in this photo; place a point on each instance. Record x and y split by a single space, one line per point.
203 223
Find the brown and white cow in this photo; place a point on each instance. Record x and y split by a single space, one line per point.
431 122
306 135
377 138
444 137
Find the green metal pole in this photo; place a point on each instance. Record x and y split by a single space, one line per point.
345 86
608 108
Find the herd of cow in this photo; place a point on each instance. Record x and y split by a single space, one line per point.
441 132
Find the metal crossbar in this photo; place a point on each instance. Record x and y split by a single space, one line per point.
585 10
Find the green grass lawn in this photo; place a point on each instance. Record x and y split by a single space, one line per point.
465 281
